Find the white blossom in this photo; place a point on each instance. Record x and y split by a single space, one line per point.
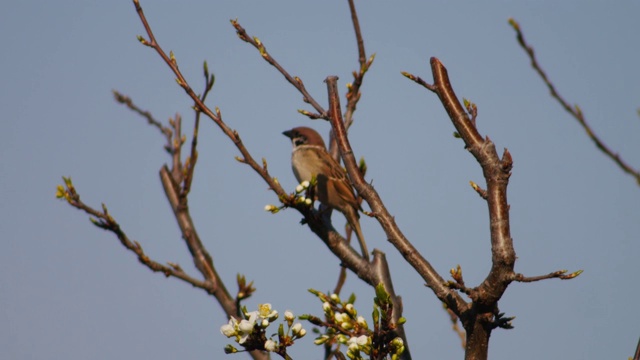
229 329
362 322
288 315
295 329
246 326
265 312
326 306
340 317
270 345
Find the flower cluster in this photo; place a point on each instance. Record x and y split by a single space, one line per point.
250 332
299 199
343 326
303 186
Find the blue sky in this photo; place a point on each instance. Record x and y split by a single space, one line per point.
70 291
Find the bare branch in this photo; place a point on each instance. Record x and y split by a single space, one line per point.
215 116
482 192
342 277
362 55
572 110
178 141
295 81
178 200
125 100
496 171
418 80
484 316
106 221
193 157
200 255
353 95
560 274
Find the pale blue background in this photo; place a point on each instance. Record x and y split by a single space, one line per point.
70 291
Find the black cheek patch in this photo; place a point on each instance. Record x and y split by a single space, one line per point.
300 140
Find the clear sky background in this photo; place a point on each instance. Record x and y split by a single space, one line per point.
70 291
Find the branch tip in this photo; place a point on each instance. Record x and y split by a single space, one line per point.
143 41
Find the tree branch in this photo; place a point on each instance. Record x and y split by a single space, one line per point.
560 274
295 81
177 197
483 316
320 224
496 172
201 257
166 131
575 110
393 232
105 221
353 93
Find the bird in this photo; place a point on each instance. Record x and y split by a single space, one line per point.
310 159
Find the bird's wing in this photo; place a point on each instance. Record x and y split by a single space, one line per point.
339 180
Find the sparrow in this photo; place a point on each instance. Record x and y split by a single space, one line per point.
310 159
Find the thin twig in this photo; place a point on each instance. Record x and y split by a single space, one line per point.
104 220
575 110
560 274
193 157
353 94
168 134
295 81
178 199
201 257
418 80
215 116
342 277
178 141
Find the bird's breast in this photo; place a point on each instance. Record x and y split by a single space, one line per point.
305 163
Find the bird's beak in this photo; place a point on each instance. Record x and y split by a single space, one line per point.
288 134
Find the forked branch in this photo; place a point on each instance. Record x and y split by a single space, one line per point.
380 212
483 315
